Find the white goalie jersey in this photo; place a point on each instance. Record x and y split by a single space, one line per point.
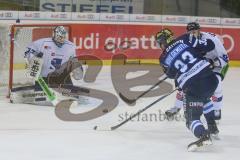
53 56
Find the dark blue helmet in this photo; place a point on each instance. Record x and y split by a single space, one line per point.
192 26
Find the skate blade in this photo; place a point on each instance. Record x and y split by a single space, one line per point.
207 143
195 147
192 148
215 137
170 117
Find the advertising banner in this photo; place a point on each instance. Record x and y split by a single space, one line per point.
175 19
8 14
104 40
93 6
137 41
207 20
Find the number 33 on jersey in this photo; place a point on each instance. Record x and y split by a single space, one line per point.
181 62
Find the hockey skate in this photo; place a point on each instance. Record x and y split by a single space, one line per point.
213 131
171 112
205 140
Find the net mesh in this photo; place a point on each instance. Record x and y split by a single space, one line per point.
4 57
22 37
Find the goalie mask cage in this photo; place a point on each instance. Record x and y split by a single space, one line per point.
13 42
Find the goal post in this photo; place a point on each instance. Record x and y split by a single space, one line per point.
15 39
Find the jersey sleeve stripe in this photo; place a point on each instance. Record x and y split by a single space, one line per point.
198 67
195 43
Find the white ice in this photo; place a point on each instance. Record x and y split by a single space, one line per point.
30 132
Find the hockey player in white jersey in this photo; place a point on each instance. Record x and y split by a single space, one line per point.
219 60
59 60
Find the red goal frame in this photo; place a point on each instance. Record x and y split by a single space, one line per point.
11 51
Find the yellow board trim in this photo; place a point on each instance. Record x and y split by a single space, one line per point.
21 66
234 63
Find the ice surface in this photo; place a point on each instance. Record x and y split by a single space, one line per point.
30 132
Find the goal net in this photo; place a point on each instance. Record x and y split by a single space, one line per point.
13 42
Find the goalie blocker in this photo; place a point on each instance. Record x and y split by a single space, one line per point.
60 77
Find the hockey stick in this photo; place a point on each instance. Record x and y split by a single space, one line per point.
111 128
132 101
49 93
34 72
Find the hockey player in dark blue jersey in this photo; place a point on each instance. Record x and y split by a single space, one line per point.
192 74
219 58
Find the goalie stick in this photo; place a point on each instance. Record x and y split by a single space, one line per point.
133 101
111 128
50 94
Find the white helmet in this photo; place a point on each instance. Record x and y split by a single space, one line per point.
59 35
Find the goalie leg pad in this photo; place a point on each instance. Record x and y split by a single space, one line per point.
28 95
22 94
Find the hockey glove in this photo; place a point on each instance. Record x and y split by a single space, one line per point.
220 66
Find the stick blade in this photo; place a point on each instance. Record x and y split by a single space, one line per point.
102 128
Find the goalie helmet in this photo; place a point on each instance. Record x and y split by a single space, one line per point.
192 26
164 37
59 35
